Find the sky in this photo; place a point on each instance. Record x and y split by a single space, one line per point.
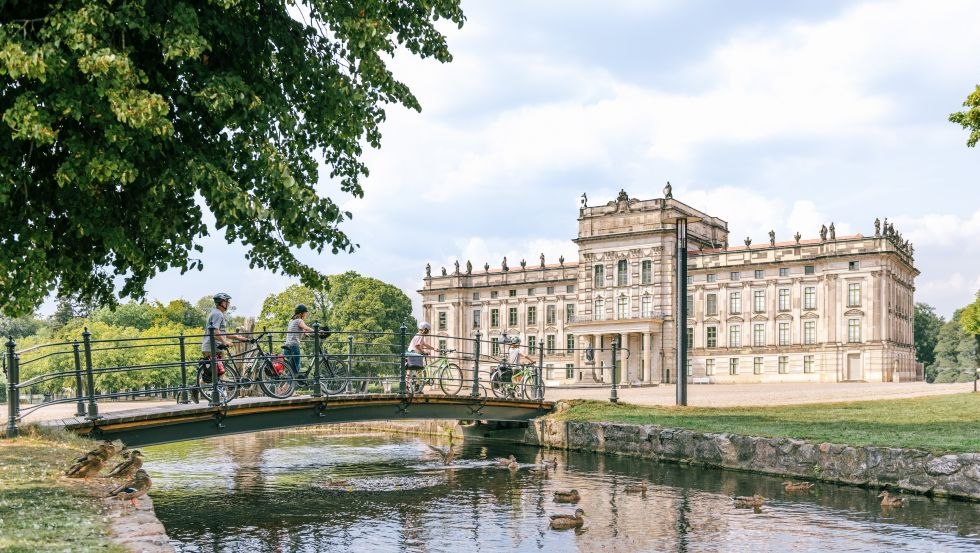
770 115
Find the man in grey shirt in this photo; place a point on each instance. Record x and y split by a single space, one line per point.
217 319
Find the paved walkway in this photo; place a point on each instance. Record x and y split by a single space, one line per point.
700 395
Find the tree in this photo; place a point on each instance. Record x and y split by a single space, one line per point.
180 312
19 327
926 332
970 318
132 314
954 347
123 121
70 307
970 118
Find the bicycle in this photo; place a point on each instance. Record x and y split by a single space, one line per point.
448 375
273 378
509 383
334 375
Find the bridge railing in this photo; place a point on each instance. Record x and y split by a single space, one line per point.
93 370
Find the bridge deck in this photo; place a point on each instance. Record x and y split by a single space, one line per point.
155 425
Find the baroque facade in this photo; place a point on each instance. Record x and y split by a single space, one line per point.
827 309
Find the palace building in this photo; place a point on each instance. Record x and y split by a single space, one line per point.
826 309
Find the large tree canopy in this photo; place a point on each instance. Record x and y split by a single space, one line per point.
926 332
119 119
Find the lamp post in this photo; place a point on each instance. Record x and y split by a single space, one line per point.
680 222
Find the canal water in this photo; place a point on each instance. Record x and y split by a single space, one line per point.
309 491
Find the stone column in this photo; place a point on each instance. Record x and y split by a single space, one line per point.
647 358
624 370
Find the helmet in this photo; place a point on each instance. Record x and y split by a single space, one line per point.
425 326
220 297
515 340
300 309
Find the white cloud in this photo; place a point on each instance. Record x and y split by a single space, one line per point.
942 230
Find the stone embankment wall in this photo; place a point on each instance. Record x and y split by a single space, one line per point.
955 475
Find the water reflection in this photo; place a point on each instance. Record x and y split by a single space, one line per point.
298 491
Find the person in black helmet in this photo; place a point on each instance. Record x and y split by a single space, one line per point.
296 329
223 339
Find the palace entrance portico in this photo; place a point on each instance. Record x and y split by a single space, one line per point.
640 363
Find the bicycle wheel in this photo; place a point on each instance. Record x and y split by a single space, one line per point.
498 386
451 379
227 383
277 385
334 375
529 388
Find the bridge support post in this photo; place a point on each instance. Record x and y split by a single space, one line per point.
182 398
538 382
79 391
401 364
317 389
13 392
93 408
476 366
215 401
613 391
351 386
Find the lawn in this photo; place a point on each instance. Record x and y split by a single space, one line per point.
948 423
39 511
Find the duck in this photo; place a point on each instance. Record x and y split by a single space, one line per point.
797 486
506 462
567 496
127 468
888 500
636 488
445 455
564 522
550 463
747 502
89 467
513 466
136 487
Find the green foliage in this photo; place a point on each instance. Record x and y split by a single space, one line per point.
277 309
926 332
946 376
954 347
19 327
118 116
970 118
970 317
132 315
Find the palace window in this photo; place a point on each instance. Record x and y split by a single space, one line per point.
734 303
512 293
734 336
532 343
759 334
733 366
550 341
531 291
808 269
549 371
759 273
784 271
690 338
569 371
569 312
569 344
810 297
690 279
532 315
646 271
550 314
712 277
622 272
442 320
598 275
783 364
853 265
599 311
810 332
646 306
443 345
569 289
621 307
854 330
756 365
494 346
442 297
711 305
493 295
476 296
854 294
735 275
784 334
711 337
494 318
808 363
550 290
476 318
759 301
784 299
709 367
690 305
512 316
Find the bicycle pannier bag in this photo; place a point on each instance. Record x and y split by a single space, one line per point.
414 360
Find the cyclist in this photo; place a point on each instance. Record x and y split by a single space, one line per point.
296 329
515 358
418 343
223 339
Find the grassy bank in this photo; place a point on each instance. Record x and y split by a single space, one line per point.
39 511
949 423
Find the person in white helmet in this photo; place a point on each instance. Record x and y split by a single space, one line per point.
514 356
418 343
